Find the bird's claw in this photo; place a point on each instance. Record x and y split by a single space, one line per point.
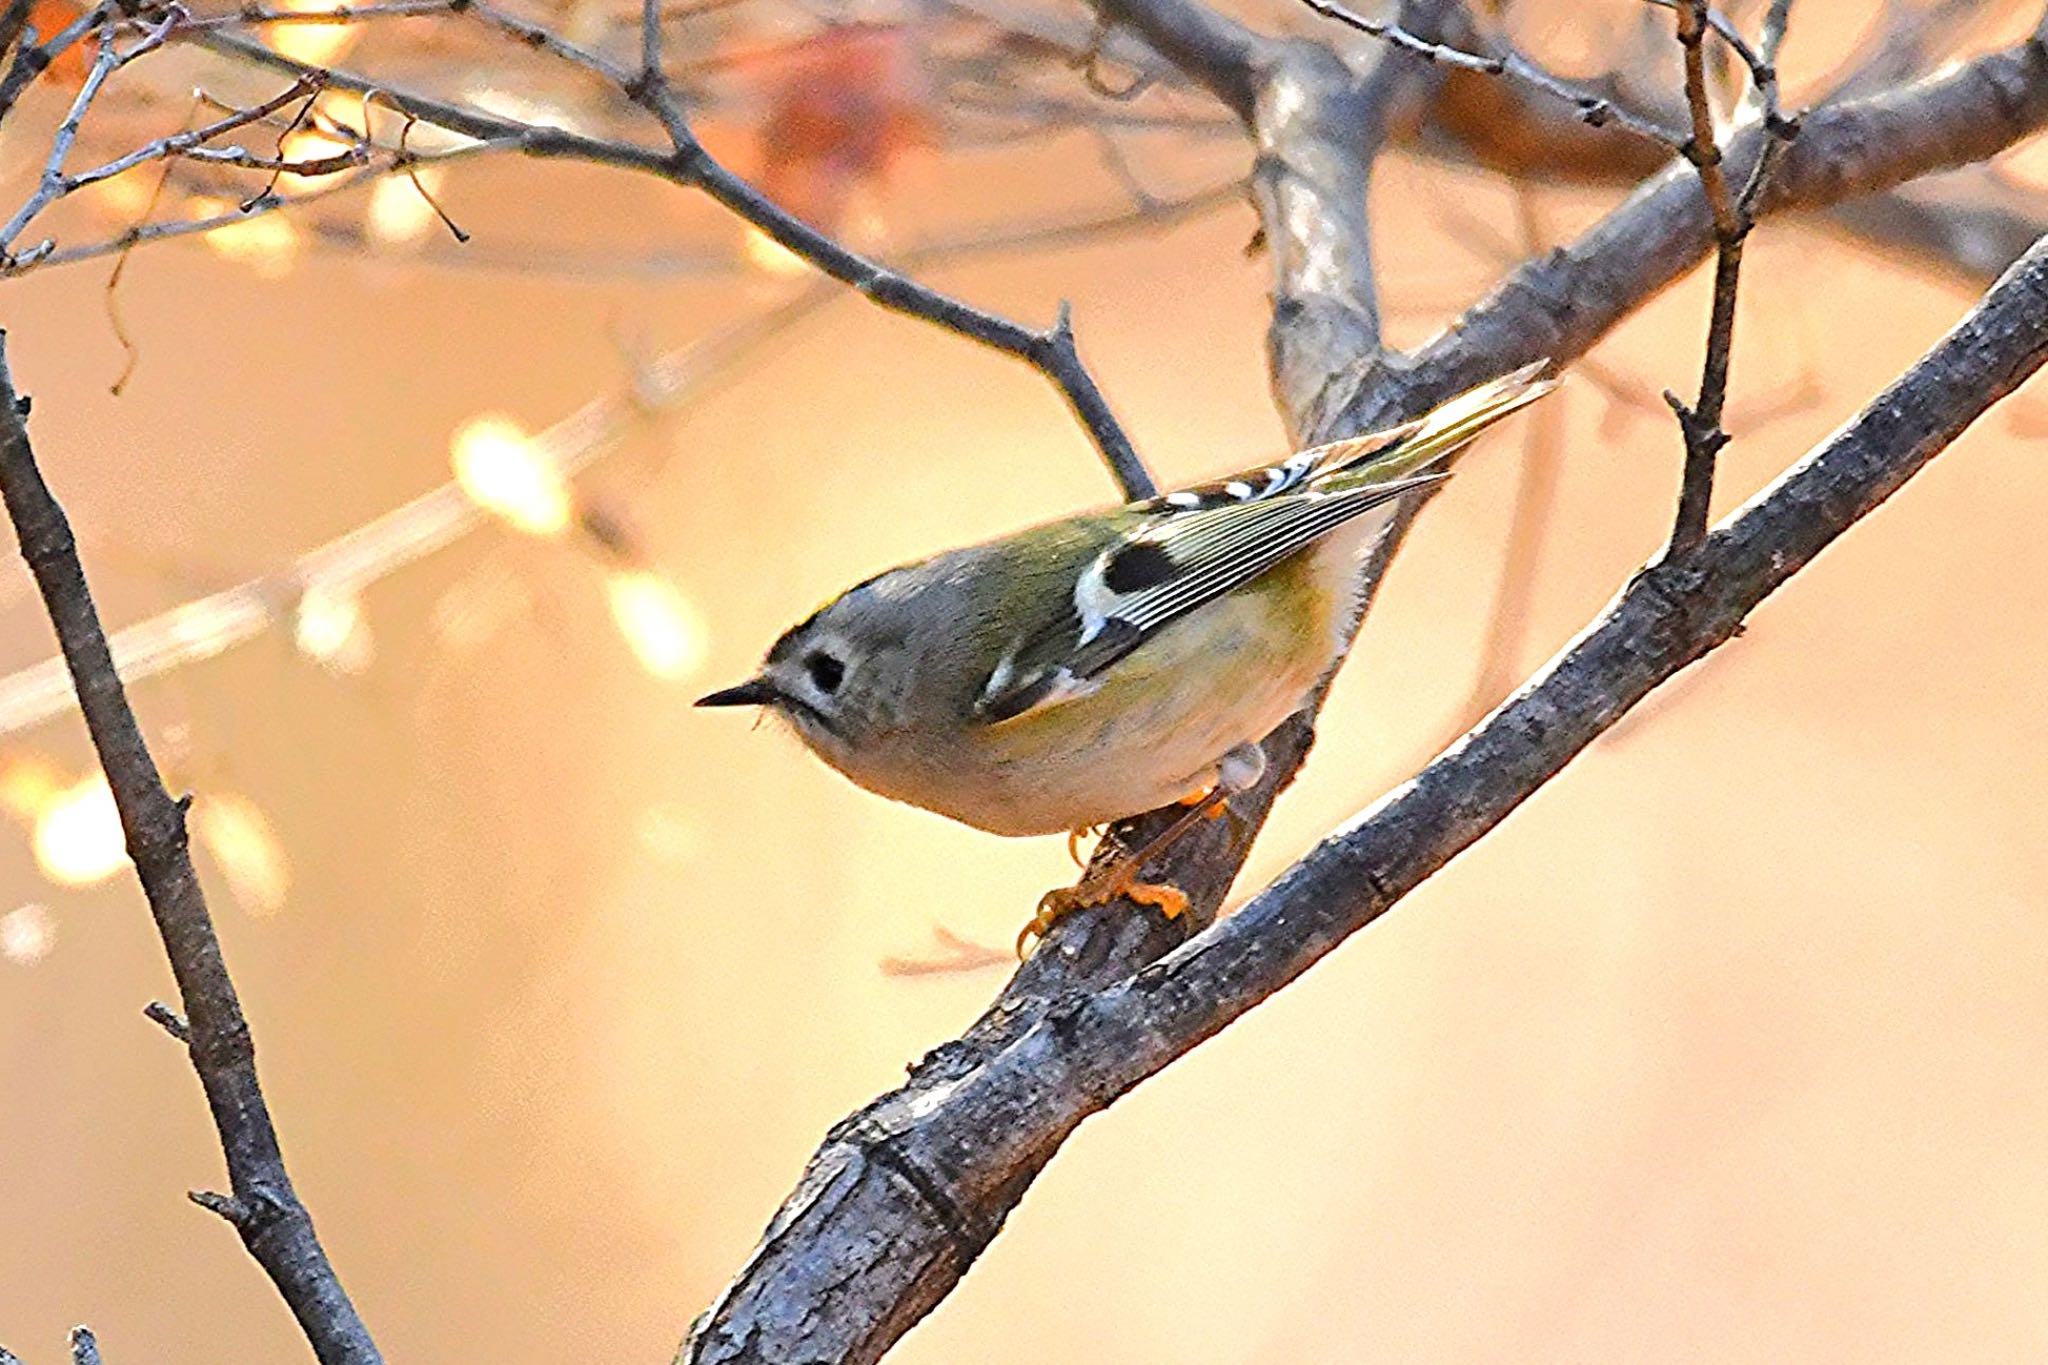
1056 905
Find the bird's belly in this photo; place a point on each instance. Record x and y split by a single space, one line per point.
1151 734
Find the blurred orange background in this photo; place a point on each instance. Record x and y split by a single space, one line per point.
1727 1047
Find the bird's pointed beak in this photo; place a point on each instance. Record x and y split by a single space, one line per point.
752 692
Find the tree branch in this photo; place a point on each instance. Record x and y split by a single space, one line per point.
904 1194
907 1192
1732 215
1560 304
1052 350
1593 110
1211 47
263 1207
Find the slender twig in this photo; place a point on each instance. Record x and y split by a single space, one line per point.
1052 351
1595 110
247 16
168 228
85 1347
541 38
265 1210
650 42
1733 216
51 186
169 1020
190 142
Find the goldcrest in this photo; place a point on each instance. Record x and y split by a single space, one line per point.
1109 663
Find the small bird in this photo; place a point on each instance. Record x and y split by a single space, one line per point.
1111 663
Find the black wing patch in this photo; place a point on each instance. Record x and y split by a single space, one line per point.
1138 565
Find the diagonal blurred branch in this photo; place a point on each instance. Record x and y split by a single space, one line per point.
202 627
262 1205
1968 224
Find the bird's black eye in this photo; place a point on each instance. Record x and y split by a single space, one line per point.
826 672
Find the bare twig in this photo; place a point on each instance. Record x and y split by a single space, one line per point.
1733 216
1594 110
253 16
1052 351
85 1347
272 1222
52 185
169 1020
190 144
650 42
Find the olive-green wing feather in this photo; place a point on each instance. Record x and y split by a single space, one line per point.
1199 544
1161 574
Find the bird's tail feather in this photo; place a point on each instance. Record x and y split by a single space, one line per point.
1414 447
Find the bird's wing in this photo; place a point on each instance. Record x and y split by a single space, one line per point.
1197 544
1161 573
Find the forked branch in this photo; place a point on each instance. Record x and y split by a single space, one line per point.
1732 216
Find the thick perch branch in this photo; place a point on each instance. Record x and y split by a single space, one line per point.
907 1192
904 1195
263 1207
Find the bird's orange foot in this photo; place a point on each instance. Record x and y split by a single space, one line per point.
1169 900
1055 906
1074 838
1115 882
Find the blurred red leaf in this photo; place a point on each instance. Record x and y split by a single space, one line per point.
844 105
